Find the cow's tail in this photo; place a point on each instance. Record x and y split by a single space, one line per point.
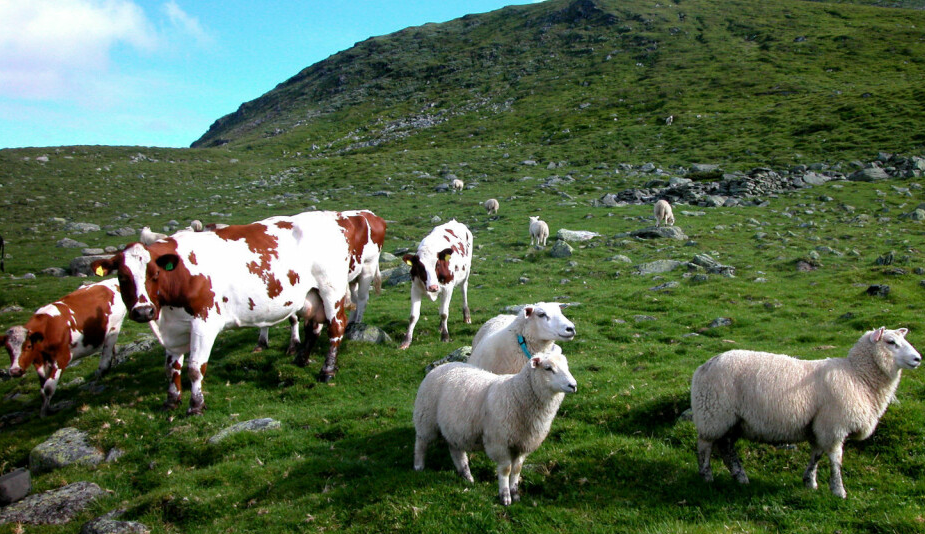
377 280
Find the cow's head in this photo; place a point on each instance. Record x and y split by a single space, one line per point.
431 271
14 340
147 274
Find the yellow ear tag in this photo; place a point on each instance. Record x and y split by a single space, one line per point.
100 271
408 262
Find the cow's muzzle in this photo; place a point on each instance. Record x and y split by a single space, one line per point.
142 314
16 372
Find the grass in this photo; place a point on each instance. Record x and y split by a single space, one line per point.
619 458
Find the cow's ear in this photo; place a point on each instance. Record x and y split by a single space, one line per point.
409 258
444 254
168 262
104 266
36 337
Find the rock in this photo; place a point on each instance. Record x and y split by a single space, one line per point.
114 454
459 355
53 507
659 232
442 188
703 167
621 259
396 275
878 290
123 352
804 266
67 242
386 257
81 264
107 524
561 250
870 174
254 425
720 321
813 178
81 228
13 308
54 271
125 231
575 235
712 266
14 486
658 266
65 447
885 259
366 333
643 318
666 286
713 201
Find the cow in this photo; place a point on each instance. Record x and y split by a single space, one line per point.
193 285
364 233
443 261
82 323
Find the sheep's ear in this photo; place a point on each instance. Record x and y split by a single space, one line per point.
408 258
877 334
535 362
903 331
528 311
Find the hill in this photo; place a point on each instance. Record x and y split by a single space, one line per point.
746 82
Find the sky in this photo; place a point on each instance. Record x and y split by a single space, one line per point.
159 73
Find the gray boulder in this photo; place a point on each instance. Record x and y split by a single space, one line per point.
396 275
459 355
712 266
366 333
703 167
561 250
870 174
254 425
109 525
658 266
54 271
81 264
81 228
67 242
125 231
660 232
65 447
575 235
53 507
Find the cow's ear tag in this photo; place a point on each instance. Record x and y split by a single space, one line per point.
408 262
168 266
100 271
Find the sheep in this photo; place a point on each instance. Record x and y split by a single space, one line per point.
457 184
501 344
491 206
507 416
663 213
539 231
147 237
779 399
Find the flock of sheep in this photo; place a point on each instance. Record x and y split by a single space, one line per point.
504 398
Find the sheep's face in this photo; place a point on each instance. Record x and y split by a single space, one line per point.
894 342
551 369
547 323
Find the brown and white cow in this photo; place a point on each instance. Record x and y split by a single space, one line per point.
193 285
364 233
443 261
84 322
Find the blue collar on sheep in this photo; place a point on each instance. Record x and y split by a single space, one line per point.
523 346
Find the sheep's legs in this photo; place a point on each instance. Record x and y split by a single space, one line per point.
809 476
420 451
461 461
835 481
515 477
704 448
504 481
727 451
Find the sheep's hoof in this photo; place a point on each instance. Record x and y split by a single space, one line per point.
515 495
505 498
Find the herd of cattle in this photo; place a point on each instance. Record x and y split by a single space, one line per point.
192 285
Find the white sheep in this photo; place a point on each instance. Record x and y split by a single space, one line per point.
147 237
539 231
505 342
663 214
507 416
491 206
778 399
457 184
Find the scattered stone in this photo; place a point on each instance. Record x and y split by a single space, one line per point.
366 333
885 259
67 242
386 257
666 286
81 264
712 266
14 486
804 266
660 232
658 266
11 309
108 524
81 228
125 231
643 318
459 355
561 250
65 447
396 275
720 321
123 352
53 507
870 174
878 290
54 271
114 454
254 425
621 259
575 235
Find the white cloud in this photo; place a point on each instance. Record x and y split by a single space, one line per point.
187 24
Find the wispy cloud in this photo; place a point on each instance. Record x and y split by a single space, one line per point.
187 24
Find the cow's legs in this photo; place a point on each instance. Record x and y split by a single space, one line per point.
464 288
263 339
336 327
416 295
302 352
445 295
294 340
173 366
359 290
49 384
200 349
109 350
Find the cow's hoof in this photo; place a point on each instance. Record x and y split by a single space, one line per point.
257 349
404 345
171 404
196 410
325 376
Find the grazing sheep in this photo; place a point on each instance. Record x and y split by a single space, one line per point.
539 231
457 184
502 343
663 213
196 225
507 416
491 206
778 399
147 237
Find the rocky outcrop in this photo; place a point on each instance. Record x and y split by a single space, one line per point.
54 507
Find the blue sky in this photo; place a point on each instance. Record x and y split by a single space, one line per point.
158 73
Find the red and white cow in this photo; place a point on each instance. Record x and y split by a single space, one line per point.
443 261
84 322
364 233
193 285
